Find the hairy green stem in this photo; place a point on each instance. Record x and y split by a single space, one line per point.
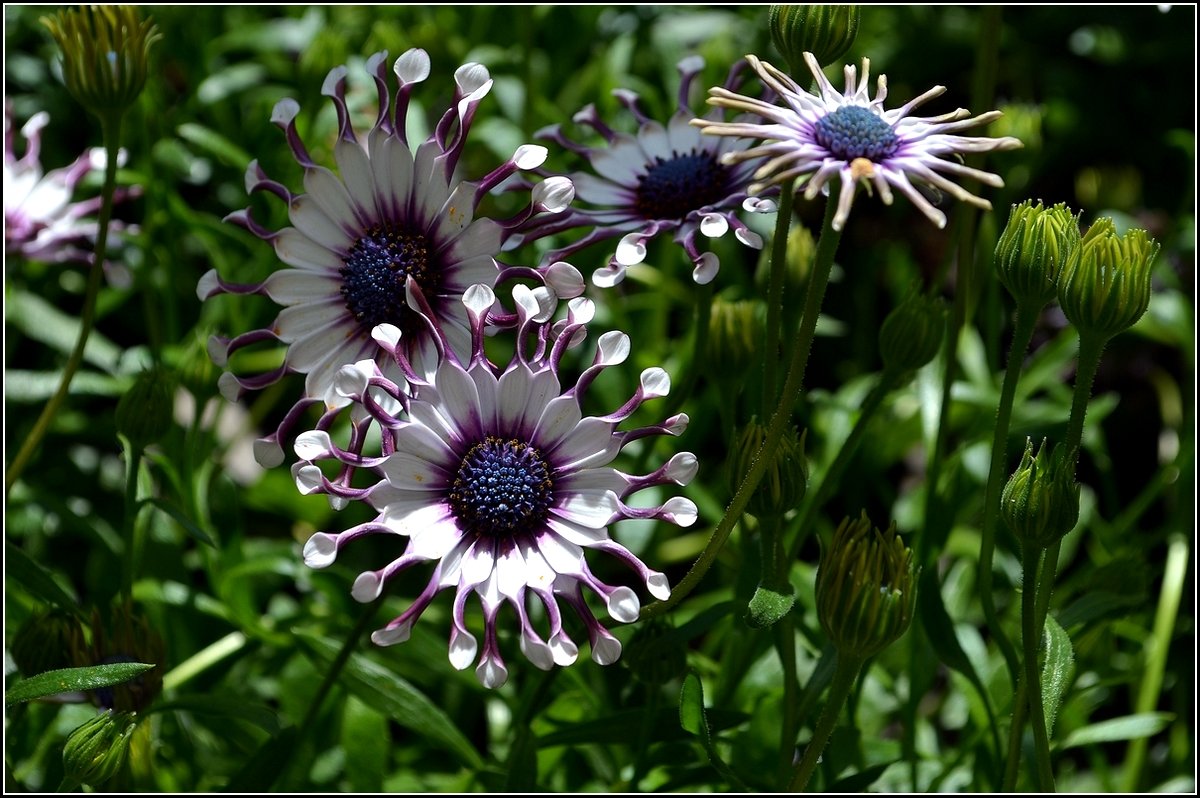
822 265
783 221
785 644
111 133
839 690
1026 319
1031 639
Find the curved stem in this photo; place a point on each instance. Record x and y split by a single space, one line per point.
1031 639
783 221
839 690
822 265
1027 315
111 131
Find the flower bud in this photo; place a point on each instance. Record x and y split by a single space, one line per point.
786 479
105 53
96 750
1105 283
47 641
825 31
801 249
144 413
735 333
1033 248
126 635
1040 503
866 588
912 333
653 655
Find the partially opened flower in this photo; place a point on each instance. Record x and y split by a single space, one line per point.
497 477
665 179
357 237
848 135
40 220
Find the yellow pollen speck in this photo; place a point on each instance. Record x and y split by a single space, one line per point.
861 168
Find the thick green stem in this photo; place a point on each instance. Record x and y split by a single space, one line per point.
1031 639
1015 732
822 265
111 131
1027 314
783 221
839 690
785 643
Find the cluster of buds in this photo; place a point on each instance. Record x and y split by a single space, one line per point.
95 751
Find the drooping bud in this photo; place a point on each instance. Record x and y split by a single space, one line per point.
866 588
1033 248
1040 503
825 31
105 52
912 333
144 413
735 334
786 479
1105 283
95 751
47 641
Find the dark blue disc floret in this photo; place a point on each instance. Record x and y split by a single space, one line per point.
854 132
376 269
502 487
672 188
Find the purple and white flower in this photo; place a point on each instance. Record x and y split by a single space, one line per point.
665 179
40 220
495 475
388 217
849 135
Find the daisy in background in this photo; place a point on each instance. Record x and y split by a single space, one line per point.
40 221
497 477
387 217
664 179
848 135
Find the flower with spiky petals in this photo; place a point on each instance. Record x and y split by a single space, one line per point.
40 220
388 218
495 474
848 135
665 179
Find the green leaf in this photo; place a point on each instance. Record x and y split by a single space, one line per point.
261 771
46 324
21 385
71 680
691 707
188 525
214 143
224 706
20 567
614 729
940 628
396 698
1058 669
365 740
861 781
1129 727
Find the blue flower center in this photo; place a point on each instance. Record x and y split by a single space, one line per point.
503 487
376 269
854 132
672 188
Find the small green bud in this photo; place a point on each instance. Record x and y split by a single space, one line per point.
825 31
1040 503
735 333
96 750
47 641
866 588
1033 248
801 249
653 655
105 52
912 333
144 413
786 480
1105 283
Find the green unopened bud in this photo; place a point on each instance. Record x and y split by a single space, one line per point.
105 52
866 588
786 479
912 333
1033 248
1040 503
825 31
801 249
144 413
655 654
735 333
1105 283
47 641
96 750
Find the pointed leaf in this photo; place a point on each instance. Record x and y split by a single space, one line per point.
261 771
1129 727
21 568
1058 669
691 707
223 706
188 525
72 680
